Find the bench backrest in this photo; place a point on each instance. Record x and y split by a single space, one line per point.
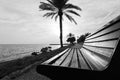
95 53
103 42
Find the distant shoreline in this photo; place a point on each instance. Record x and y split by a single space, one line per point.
6 68
15 51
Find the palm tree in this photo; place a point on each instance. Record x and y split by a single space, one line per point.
56 8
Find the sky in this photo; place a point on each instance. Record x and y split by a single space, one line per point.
21 21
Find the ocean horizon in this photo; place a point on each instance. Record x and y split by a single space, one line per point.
15 51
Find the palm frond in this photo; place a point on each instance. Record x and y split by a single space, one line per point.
71 6
53 15
56 17
70 18
65 1
51 2
49 14
73 12
46 6
58 3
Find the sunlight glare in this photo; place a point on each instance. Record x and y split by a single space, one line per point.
56 31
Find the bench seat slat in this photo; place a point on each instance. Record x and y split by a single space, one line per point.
51 59
59 61
96 62
103 51
104 37
68 59
82 60
103 44
74 63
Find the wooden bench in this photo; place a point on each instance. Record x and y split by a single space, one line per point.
95 53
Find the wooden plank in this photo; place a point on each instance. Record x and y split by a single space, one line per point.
104 44
104 34
68 59
106 58
93 67
96 62
103 40
100 47
59 61
51 59
107 36
83 63
74 63
102 51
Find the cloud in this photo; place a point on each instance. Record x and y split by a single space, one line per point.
10 15
23 22
98 9
15 11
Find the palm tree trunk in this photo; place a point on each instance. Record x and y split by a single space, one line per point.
61 31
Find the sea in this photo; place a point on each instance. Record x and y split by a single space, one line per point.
14 51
